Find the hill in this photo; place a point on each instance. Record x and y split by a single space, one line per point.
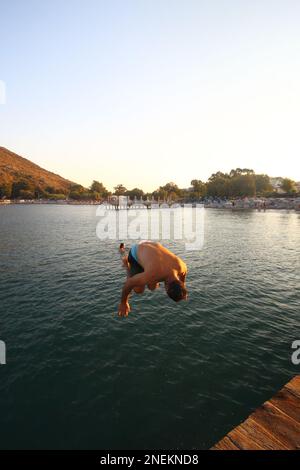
18 174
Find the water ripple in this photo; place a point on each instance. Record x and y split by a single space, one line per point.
84 378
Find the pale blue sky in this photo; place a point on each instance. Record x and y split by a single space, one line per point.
142 92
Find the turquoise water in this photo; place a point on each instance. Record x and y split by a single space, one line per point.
170 376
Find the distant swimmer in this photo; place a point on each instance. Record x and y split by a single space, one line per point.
122 248
149 263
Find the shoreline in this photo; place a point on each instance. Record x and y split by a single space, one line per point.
237 205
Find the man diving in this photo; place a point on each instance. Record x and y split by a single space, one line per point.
149 263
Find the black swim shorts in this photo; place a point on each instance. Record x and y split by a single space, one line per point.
134 266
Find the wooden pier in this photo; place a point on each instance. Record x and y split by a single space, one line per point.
273 426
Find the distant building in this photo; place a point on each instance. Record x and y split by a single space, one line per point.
118 200
276 183
190 189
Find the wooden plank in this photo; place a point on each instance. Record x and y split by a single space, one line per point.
288 403
294 386
225 444
273 426
243 439
279 425
262 436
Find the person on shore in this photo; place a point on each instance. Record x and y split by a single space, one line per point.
149 263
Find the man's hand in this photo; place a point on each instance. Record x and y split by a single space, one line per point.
124 309
138 280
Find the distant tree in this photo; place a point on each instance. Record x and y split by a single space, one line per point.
120 190
218 175
238 183
242 185
98 187
173 196
171 187
98 191
218 185
241 171
26 194
77 187
263 184
169 191
50 190
5 190
163 194
235 172
288 185
135 193
77 191
199 189
160 194
19 186
86 196
56 197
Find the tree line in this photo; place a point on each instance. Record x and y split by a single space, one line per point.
26 189
238 183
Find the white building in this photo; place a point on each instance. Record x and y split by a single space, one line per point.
276 183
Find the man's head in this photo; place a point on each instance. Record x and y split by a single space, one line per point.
176 290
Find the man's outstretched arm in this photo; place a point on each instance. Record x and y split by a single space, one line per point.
135 281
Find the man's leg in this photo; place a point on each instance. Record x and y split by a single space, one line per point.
153 286
125 262
133 268
139 290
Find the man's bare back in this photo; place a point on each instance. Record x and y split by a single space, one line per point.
148 264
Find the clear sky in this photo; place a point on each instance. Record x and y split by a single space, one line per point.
143 92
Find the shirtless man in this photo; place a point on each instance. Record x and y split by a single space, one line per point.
148 264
